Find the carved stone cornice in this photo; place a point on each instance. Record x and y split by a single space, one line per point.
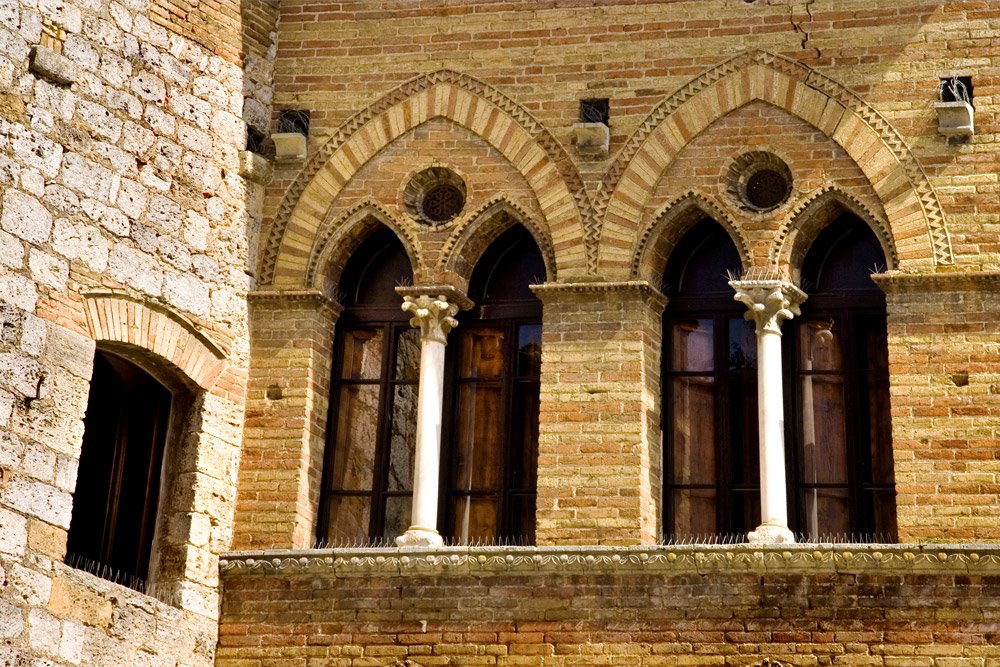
551 292
274 299
894 559
768 302
893 282
433 315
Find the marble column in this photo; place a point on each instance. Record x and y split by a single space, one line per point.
434 315
769 303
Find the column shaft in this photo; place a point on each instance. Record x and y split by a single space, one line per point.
769 303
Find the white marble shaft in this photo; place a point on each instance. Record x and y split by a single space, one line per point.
435 317
769 303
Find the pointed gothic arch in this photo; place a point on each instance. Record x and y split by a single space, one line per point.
339 237
913 212
470 103
653 247
811 217
466 245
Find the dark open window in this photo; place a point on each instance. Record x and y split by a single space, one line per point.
495 359
842 432
118 480
711 479
371 429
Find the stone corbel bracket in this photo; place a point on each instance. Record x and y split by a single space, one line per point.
121 318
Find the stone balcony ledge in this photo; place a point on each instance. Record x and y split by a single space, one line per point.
819 559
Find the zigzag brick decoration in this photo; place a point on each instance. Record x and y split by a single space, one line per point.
930 206
538 132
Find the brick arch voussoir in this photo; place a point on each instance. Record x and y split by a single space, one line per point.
653 247
466 244
470 103
340 236
151 332
811 216
879 150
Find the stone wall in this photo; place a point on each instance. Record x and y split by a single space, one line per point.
125 225
640 606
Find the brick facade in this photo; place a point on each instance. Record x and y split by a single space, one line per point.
133 221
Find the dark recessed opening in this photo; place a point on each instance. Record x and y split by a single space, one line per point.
767 188
293 120
255 140
595 111
442 202
956 89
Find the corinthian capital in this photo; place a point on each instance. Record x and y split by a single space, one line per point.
434 315
768 302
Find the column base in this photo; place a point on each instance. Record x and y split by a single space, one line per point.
768 533
417 537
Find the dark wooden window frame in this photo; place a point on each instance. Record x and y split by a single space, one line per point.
851 308
131 420
392 325
385 314
509 316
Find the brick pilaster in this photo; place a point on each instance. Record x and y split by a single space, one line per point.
599 432
288 393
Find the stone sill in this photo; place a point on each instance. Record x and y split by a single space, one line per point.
942 559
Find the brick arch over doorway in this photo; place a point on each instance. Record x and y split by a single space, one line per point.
474 105
912 208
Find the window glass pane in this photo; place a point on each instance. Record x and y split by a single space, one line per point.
745 511
349 517
398 513
356 435
522 518
820 344
477 451
482 353
402 445
879 430
883 514
475 519
362 358
744 453
694 512
693 427
742 345
523 461
692 346
529 350
827 513
408 355
824 441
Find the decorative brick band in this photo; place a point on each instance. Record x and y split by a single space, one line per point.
983 560
503 123
879 150
122 318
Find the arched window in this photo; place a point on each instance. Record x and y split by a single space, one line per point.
371 429
711 470
495 355
115 504
843 439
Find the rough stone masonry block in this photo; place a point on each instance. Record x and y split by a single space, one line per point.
53 66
